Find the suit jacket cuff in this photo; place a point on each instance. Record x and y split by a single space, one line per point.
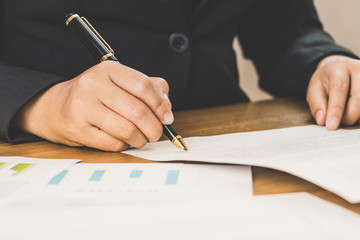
17 87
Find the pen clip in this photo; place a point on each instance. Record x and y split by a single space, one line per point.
97 34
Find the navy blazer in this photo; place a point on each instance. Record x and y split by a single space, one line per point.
284 38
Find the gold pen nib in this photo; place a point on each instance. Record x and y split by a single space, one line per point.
179 142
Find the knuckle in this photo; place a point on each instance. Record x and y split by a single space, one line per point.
340 84
337 63
339 73
128 132
163 83
341 61
138 112
83 81
143 85
86 83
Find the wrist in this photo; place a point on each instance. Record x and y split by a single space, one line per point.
32 115
22 119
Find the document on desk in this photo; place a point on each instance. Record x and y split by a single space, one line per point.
19 172
167 201
295 216
330 159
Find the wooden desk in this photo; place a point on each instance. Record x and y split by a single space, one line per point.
227 119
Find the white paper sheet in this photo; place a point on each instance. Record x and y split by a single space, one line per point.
62 206
145 201
330 159
290 216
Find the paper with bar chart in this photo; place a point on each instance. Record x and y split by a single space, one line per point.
127 183
17 172
167 201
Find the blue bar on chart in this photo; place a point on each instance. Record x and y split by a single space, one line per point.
172 177
97 175
135 174
57 179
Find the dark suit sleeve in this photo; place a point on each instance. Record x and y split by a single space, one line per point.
285 40
17 87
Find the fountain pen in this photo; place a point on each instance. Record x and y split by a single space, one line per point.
102 50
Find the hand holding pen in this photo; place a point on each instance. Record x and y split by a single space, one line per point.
142 89
108 107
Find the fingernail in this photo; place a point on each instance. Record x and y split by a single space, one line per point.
168 118
318 116
333 124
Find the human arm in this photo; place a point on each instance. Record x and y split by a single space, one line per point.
298 50
47 105
286 41
17 86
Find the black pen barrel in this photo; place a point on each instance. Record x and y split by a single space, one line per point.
87 36
170 132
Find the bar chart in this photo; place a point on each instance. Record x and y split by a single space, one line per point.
128 173
131 183
127 183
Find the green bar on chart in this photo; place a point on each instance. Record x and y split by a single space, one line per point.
18 168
